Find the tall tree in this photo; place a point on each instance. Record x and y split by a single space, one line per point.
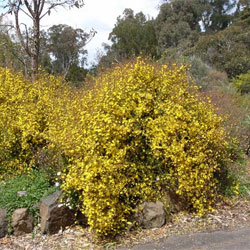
217 14
66 45
133 34
11 53
177 23
35 10
173 11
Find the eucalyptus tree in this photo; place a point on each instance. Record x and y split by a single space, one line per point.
132 35
66 46
177 24
217 14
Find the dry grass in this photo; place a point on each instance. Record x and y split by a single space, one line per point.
235 107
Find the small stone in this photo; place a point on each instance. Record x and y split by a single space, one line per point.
55 216
22 222
151 215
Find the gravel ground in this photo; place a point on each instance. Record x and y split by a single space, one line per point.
229 215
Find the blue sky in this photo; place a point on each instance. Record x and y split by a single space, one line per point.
98 15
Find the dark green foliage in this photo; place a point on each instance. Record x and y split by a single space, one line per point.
216 15
171 35
132 35
177 24
67 46
76 75
228 50
180 10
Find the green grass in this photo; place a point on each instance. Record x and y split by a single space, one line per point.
241 174
244 180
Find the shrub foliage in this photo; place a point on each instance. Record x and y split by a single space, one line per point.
142 129
25 110
242 83
138 131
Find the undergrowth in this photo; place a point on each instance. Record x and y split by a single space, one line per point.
36 186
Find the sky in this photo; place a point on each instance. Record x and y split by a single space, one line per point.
100 15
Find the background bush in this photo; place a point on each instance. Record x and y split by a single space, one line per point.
242 83
227 50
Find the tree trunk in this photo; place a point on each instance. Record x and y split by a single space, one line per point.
36 47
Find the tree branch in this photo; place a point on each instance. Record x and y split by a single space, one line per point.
40 7
54 5
26 13
19 34
29 8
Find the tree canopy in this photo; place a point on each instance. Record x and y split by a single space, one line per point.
66 45
132 35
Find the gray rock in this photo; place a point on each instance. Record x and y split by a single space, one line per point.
3 223
151 215
22 222
54 215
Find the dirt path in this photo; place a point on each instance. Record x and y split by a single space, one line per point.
219 240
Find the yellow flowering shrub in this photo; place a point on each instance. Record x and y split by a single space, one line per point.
138 131
25 109
141 129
